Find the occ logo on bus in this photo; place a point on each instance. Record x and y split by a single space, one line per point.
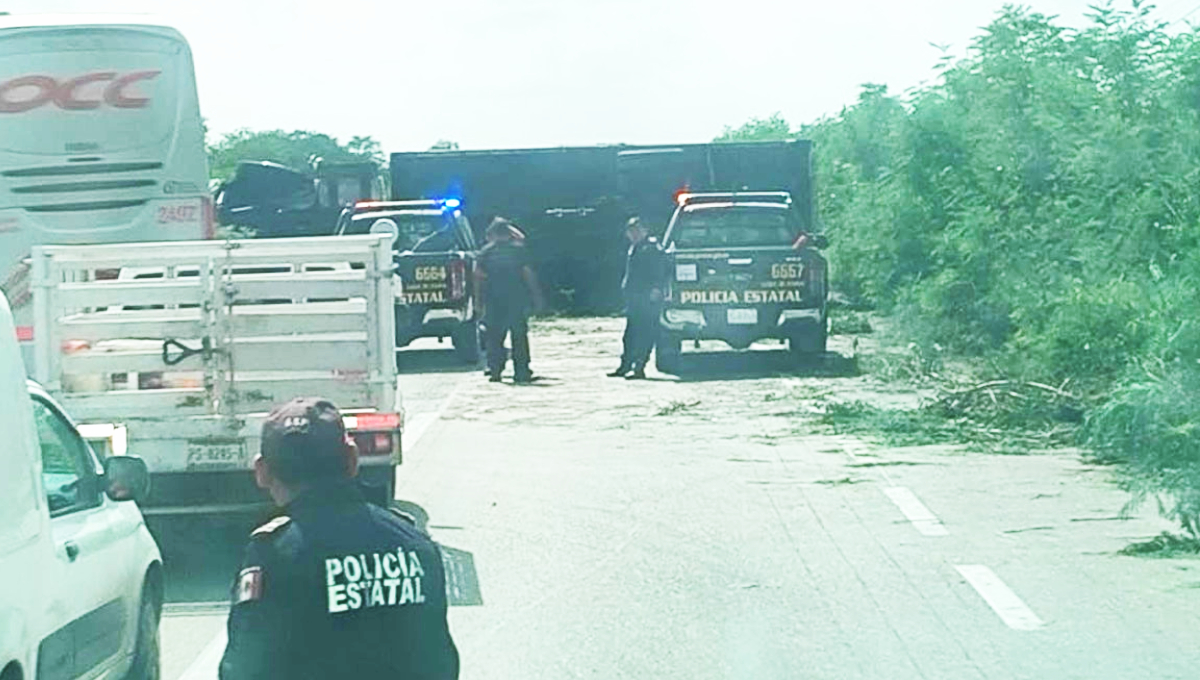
81 93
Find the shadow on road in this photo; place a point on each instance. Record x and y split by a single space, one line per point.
432 360
753 364
201 555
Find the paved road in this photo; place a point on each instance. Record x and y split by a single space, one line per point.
702 528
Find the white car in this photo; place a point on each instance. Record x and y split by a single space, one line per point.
81 579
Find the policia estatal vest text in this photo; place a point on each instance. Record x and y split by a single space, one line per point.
337 587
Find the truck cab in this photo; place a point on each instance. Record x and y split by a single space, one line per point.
434 252
742 269
276 201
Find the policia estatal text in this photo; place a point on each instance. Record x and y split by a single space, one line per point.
338 587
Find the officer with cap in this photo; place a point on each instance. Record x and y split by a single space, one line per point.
643 285
336 587
507 290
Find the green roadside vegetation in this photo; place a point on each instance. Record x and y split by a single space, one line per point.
1032 218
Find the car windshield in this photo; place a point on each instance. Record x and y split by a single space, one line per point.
732 227
766 340
413 228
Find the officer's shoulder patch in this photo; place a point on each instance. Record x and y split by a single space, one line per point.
250 585
410 520
266 530
403 515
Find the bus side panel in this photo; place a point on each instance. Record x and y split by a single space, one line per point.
100 141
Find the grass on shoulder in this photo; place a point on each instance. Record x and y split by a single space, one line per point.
1164 545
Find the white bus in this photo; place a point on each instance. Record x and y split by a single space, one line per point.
101 140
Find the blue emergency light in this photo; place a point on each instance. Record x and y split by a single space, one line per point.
452 203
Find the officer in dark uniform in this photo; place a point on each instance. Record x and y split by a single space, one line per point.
645 279
337 587
492 236
507 289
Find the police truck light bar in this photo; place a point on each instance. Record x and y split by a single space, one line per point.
781 197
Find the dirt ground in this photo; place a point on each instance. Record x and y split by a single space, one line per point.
761 393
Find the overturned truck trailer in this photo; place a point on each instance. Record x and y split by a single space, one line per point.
573 201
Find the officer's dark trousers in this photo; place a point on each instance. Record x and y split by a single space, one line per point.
500 323
641 330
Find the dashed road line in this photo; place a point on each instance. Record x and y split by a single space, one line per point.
1011 610
922 519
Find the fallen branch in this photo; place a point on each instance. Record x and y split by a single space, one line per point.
993 384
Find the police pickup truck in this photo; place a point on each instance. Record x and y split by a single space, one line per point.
742 269
435 254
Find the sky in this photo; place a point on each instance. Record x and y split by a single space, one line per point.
532 73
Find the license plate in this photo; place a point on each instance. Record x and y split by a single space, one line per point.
216 455
741 316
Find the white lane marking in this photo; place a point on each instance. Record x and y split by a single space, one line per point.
416 429
206 666
419 424
1011 610
921 517
171 609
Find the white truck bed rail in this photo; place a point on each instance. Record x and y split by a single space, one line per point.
214 330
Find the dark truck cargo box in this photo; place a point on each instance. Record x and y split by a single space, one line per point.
572 202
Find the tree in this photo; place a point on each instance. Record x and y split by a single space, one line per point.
771 129
1036 205
297 149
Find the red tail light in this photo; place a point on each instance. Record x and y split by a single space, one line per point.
456 280
375 443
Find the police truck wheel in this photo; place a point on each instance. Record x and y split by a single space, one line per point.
808 342
668 353
146 653
466 342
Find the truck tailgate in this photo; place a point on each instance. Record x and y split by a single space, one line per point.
190 359
433 279
739 276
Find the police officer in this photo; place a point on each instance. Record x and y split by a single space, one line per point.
337 587
492 237
507 290
643 288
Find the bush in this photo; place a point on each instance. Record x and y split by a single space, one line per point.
1089 334
1151 423
1035 205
